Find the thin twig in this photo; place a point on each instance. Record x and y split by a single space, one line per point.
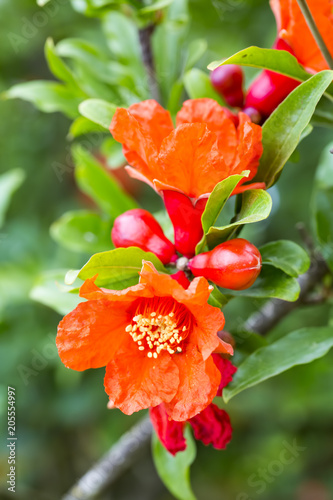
145 35
315 32
126 451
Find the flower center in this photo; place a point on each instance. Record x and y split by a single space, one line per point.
160 324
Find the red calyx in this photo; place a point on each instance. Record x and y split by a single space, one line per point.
270 89
228 81
139 228
234 264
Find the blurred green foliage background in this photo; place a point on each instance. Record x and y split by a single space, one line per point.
62 420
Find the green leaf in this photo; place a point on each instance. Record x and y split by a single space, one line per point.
97 183
287 256
217 299
41 3
197 85
271 283
282 131
174 471
296 348
82 126
256 206
9 182
58 67
196 49
50 291
46 96
113 152
117 269
98 111
82 231
122 38
215 203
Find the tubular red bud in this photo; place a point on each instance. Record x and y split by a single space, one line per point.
270 89
228 81
234 264
139 228
182 279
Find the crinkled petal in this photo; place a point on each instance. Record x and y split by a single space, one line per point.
134 382
199 381
169 432
227 370
212 426
209 320
89 336
293 28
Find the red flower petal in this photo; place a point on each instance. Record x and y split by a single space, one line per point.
199 381
212 426
227 370
89 336
169 432
135 382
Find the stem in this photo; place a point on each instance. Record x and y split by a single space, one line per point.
148 60
125 452
315 32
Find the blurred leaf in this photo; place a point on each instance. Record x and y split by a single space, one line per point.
9 182
272 282
217 299
287 256
283 129
197 85
122 38
157 5
116 269
174 471
41 3
215 203
98 111
256 206
82 231
113 151
97 183
296 348
46 96
50 291
58 67
82 125
196 49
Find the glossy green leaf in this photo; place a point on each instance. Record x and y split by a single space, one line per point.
9 182
82 126
50 291
98 111
282 131
217 299
271 283
296 348
94 180
197 85
256 206
46 96
174 471
116 269
216 201
82 231
287 256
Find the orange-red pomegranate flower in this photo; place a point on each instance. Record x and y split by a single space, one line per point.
185 163
293 28
156 340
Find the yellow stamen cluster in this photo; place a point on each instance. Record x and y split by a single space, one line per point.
157 332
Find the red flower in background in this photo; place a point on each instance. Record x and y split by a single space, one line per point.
293 29
156 340
211 426
185 163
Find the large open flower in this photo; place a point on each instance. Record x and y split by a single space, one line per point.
293 28
185 163
155 339
211 426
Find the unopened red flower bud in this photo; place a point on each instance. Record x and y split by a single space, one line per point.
139 228
234 264
228 81
270 88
